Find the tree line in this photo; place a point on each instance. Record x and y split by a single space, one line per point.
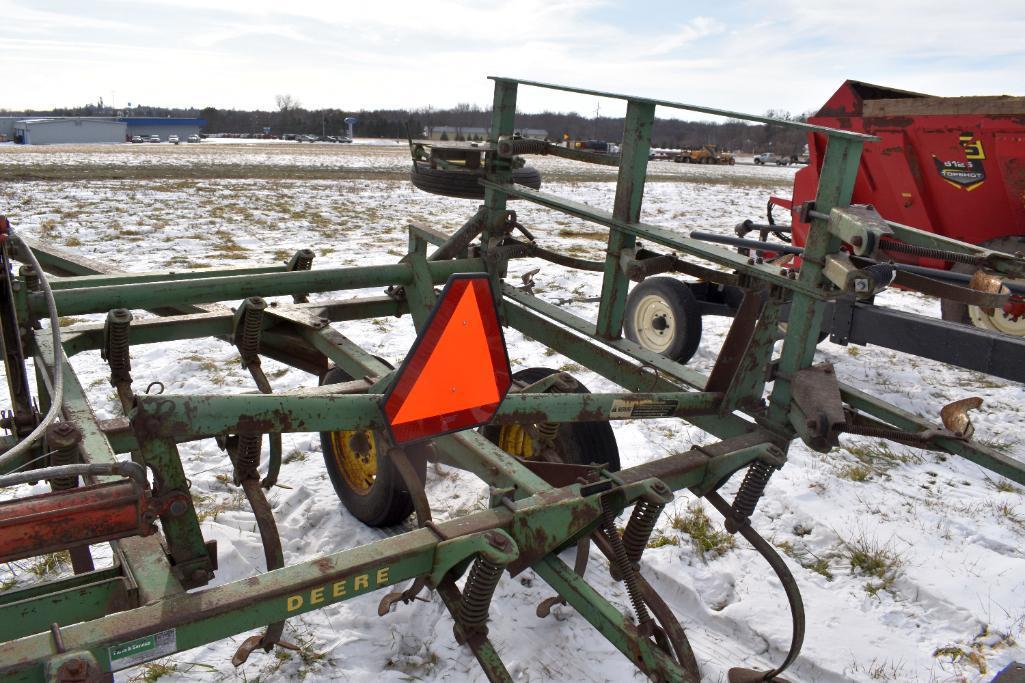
291 117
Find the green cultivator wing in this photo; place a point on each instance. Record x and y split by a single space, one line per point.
544 445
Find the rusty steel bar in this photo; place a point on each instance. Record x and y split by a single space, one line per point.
149 295
82 516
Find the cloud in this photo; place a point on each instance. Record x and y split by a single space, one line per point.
750 56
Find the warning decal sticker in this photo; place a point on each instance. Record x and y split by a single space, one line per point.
124 655
623 410
967 174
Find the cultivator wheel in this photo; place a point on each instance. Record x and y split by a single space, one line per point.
365 479
574 443
1008 320
663 315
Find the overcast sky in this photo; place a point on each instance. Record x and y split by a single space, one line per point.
745 56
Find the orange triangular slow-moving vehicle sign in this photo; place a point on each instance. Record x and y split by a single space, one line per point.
457 372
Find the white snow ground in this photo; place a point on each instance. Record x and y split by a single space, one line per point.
948 603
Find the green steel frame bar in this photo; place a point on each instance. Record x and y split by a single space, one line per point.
207 290
833 133
187 418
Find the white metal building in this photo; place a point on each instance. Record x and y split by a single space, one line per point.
53 131
7 127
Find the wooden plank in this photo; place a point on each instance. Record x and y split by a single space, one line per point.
998 105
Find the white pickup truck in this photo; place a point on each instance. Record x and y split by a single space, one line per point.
770 158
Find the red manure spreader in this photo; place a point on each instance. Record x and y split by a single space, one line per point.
952 166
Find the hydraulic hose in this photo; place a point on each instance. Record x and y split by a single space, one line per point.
129 469
57 384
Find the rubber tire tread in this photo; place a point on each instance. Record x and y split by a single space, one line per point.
686 311
463 184
388 502
594 442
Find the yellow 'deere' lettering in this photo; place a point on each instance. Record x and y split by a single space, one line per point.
340 589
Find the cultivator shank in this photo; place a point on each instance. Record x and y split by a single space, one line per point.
554 479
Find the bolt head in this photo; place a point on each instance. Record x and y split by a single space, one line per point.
74 667
178 508
499 541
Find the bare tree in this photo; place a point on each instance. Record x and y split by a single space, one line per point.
287 105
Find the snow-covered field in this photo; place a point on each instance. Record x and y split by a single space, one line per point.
911 564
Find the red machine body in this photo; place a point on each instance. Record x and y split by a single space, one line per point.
954 166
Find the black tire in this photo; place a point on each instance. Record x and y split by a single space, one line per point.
463 183
663 316
577 443
957 312
383 502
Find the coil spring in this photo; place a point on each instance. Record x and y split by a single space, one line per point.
480 588
639 528
64 456
64 439
624 569
31 277
547 431
249 340
247 458
890 434
929 252
750 491
303 260
116 350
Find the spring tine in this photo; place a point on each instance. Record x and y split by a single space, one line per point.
626 570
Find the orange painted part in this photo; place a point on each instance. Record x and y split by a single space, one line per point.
81 516
457 372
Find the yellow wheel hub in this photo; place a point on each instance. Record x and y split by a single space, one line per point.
355 453
515 440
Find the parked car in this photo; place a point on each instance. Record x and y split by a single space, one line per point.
192 138
173 139
345 138
154 138
137 138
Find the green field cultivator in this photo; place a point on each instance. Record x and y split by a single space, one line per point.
542 443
